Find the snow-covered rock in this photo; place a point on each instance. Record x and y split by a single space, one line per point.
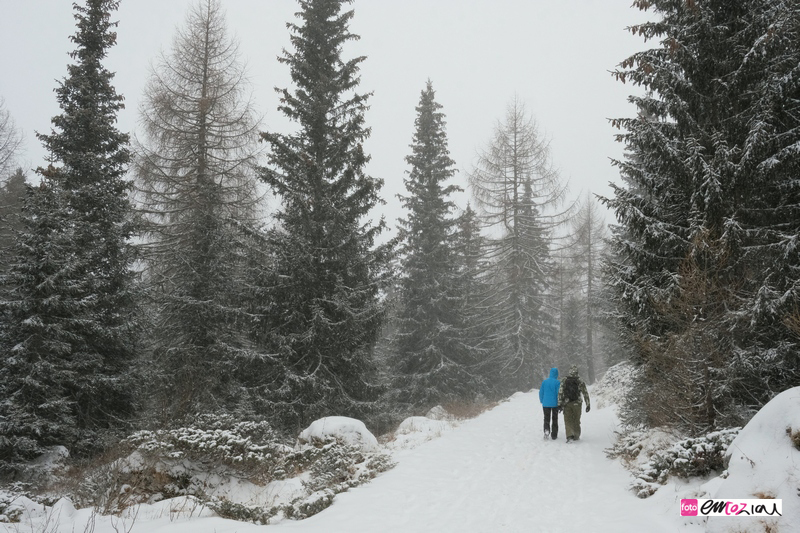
416 430
422 424
64 509
438 413
347 430
764 462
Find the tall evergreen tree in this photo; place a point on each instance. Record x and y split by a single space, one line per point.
71 335
324 311
432 361
518 191
475 293
705 264
195 173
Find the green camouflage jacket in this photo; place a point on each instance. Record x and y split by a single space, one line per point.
582 391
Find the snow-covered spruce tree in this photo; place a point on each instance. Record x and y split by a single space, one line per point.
324 311
70 339
195 174
475 294
711 201
432 362
517 192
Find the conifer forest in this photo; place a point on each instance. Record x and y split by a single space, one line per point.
209 264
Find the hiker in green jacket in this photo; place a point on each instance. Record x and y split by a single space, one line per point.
569 399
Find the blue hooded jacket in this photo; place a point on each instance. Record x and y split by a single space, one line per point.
548 392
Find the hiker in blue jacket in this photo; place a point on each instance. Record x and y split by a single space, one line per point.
548 396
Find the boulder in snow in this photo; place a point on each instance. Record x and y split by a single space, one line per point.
438 413
764 463
346 430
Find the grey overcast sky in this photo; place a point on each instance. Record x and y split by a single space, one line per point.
554 55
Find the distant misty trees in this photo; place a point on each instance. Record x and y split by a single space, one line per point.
10 141
519 196
705 259
12 183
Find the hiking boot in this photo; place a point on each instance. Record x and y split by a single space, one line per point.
554 436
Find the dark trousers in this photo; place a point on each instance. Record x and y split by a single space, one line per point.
551 413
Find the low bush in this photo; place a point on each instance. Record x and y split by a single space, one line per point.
687 458
196 460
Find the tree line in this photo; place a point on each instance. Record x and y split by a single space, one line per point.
146 282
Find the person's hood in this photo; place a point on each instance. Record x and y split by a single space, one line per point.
554 373
573 371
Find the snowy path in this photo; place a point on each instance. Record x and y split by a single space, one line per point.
496 473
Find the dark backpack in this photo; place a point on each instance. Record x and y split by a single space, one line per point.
571 389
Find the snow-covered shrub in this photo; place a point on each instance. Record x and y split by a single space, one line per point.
10 510
38 472
692 457
613 387
238 469
636 445
340 467
184 461
241 512
18 504
331 456
309 506
251 448
327 466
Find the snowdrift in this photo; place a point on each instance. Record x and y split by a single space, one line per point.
764 462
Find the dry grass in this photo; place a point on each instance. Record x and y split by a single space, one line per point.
794 435
465 410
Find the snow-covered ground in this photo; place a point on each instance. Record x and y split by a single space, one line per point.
494 473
